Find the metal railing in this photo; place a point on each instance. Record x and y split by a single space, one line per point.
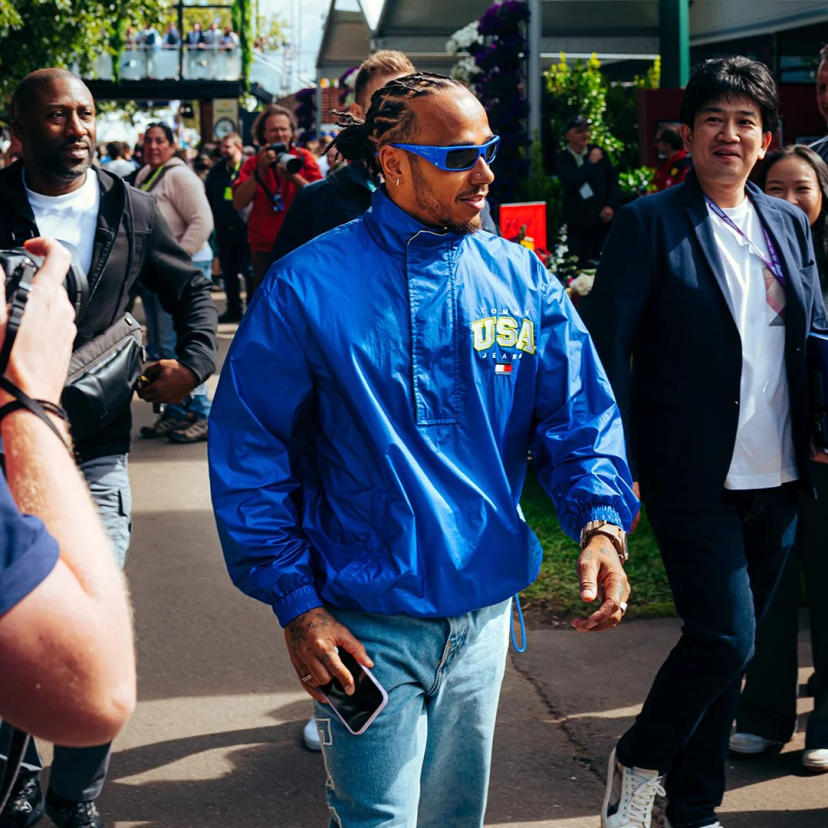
175 63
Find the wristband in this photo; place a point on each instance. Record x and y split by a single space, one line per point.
38 407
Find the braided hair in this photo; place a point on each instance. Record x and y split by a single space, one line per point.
389 118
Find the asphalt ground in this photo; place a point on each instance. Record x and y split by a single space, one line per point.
216 737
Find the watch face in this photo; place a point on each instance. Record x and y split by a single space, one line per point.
222 127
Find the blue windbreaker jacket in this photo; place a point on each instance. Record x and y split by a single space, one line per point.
369 435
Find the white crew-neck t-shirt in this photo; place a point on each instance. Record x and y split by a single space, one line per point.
70 218
763 456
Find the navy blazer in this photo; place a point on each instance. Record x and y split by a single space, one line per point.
660 317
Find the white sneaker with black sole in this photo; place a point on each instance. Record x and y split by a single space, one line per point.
630 794
815 760
751 744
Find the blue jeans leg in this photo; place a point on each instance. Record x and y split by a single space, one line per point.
199 403
161 337
108 481
79 773
425 759
723 563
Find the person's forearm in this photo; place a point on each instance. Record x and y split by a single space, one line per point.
45 482
70 642
244 193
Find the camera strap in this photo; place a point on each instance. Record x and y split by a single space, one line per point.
21 399
37 407
275 198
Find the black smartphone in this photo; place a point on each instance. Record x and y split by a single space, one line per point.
356 712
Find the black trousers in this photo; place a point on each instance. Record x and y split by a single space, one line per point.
234 259
723 563
768 703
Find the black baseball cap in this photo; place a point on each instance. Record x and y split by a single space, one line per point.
577 121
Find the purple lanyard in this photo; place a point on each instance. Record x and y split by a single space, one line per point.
774 265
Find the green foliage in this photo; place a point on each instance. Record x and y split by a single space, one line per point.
636 182
622 112
538 186
556 587
39 33
242 23
580 88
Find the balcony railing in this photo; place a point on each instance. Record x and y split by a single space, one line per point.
149 63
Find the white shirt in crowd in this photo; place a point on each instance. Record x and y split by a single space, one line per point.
763 456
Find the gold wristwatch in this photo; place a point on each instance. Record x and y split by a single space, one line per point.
616 534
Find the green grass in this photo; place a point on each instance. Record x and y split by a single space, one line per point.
556 588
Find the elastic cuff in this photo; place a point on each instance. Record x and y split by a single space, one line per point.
599 512
293 604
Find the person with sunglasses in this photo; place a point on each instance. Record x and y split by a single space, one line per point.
366 483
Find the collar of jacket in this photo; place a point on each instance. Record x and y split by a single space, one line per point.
393 228
358 173
112 188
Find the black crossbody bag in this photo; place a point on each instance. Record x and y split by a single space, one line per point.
102 377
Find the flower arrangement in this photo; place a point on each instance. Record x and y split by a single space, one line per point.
305 111
346 83
499 56
564 265
461 41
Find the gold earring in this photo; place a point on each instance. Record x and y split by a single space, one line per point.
398 182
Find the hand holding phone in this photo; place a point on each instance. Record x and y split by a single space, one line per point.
314 640
358 710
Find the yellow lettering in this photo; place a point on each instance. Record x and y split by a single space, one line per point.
484 333
526 337
506 332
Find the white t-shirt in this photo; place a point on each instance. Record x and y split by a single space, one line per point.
70 218
763 456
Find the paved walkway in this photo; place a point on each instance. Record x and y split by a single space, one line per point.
216 739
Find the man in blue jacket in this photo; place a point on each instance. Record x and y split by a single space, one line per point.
368 446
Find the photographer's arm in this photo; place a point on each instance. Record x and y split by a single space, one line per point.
244 190
66 652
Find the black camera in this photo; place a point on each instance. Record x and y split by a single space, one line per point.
20 267
288 162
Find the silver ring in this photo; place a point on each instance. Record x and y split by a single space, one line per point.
307 678
623 606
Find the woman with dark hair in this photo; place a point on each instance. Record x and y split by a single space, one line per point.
767 709
182 201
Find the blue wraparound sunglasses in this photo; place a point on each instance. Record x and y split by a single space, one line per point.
454 159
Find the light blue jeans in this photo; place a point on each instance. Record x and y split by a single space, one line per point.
425 759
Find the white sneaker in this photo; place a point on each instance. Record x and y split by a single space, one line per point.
749 744
631 792
310 735
815 759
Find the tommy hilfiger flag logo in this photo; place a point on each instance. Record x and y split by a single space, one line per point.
503 368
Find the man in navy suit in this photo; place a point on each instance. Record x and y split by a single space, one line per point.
702 303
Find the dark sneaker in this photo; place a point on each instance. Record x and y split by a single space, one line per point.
230 317
67 813
165 425
193 433
25 805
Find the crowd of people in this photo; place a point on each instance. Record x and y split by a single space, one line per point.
196 37
367 488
